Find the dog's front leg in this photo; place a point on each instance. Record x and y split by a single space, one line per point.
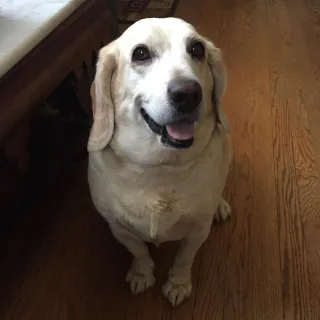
140 275
179 285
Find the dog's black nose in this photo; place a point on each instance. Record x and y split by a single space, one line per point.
184 94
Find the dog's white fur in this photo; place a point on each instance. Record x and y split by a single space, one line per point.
148 192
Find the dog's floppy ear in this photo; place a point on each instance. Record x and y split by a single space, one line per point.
219 74
102 104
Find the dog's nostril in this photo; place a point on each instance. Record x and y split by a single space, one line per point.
178 97
184 94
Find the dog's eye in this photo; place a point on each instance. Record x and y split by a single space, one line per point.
197 50
141 53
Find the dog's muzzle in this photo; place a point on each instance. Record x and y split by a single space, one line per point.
185 96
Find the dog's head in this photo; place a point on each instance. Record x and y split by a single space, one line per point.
157 91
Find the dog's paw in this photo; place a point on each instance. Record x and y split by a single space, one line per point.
140 276
140 282
176 292
223 211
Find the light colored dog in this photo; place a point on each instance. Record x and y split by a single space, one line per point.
159 152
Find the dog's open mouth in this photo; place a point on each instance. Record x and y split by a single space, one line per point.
179 135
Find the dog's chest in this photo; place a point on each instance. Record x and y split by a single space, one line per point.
160 210
161 215
158 204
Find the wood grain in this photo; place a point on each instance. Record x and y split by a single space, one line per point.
59 260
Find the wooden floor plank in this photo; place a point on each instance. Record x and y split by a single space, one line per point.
264 242
287 136
304 83
252 246
307 14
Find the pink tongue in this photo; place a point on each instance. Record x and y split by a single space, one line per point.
181 131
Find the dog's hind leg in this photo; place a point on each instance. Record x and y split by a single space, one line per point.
223 212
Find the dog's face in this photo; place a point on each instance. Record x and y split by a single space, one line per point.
157 91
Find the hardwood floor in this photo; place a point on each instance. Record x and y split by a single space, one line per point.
59 260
